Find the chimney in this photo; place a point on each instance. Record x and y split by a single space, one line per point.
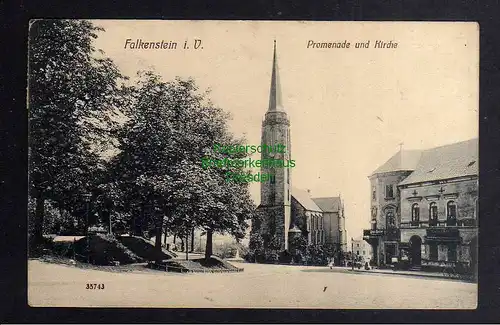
308 191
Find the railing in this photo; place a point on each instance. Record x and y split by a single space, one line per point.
443 232
443 223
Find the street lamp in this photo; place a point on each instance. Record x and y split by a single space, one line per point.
352 253
86 199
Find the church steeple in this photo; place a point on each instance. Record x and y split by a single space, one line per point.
275 103
275 194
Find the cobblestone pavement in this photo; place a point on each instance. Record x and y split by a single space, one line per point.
264 286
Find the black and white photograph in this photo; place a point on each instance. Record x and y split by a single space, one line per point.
253 164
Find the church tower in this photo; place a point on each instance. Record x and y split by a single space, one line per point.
275 194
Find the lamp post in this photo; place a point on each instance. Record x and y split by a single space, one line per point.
86 199
352 253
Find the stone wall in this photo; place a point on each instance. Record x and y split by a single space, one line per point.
273 225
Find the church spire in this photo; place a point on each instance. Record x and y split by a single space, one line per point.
275 103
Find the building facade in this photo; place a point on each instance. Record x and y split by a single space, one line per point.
362 250
287 212
437 209
384 233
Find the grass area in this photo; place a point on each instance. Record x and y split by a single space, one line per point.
139 267
212 265
144 249
104 250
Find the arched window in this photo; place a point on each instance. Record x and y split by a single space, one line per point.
415 214
433 214
451 213
390 218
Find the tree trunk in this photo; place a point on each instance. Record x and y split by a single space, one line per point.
133 230
192 240
165 238
182 244
39 216
159 231
208 247
110 228
187 245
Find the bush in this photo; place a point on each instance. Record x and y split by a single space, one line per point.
272 256
285 257
38 249
104 250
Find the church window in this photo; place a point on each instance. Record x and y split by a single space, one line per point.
374 194
389 194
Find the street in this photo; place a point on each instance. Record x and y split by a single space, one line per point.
259 286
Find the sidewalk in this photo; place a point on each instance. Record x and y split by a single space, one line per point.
435 275
408 273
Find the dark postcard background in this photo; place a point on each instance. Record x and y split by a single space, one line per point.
14 151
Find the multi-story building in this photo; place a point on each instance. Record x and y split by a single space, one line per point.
362 249
439 207
384 234
432 215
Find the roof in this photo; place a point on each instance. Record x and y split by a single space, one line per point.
275 101
403 160
328 204
305 199
445 162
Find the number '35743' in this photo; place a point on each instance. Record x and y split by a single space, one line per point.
94 286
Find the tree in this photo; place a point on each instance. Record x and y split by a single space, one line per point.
170 128
72 93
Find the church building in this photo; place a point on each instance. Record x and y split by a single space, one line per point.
287 212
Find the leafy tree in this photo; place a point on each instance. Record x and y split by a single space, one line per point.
71 96
170 128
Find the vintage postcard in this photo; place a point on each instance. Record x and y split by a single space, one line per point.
253 164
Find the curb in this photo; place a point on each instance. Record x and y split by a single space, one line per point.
411 275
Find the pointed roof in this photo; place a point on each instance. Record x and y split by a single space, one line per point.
275 102
305 199
445 162
403 160
328 204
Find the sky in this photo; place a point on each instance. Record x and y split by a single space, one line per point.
349 108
